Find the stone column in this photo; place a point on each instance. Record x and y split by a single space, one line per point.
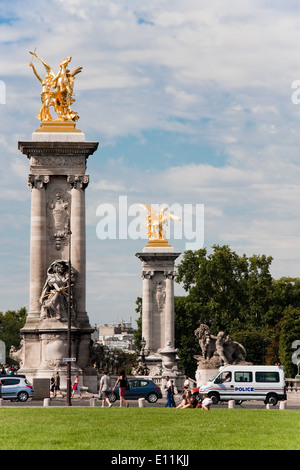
147 309
38 245
169 309
78 245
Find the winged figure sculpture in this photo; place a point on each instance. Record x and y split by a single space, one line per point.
156 220
57 90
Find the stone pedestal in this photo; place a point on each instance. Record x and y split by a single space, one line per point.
57 181
158 308
205 374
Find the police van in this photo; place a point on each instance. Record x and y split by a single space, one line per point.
239 383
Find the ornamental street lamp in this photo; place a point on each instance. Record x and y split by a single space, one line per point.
68 402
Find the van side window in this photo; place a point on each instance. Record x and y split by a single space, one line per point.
243 376
267 376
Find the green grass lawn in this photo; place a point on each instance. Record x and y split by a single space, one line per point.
95 428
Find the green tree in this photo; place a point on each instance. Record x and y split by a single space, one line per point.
138 331
228 290
186 321
11 323
230 293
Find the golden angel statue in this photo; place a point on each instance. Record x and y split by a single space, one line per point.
157 220
57 91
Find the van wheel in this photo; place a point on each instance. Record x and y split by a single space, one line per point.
214 397
272 400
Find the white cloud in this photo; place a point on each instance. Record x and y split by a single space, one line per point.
214 74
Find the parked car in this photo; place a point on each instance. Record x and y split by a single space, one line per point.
15 388
139 388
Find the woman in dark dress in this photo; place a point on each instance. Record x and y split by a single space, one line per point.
123 386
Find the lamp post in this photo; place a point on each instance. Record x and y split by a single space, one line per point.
68 402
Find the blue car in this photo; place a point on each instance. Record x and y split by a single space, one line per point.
15 388
139 388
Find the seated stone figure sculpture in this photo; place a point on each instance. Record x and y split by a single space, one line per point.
55 293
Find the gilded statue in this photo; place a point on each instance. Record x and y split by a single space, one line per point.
156 220
57 90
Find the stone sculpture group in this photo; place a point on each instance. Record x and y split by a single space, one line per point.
218 350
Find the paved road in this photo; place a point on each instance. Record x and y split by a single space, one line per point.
292 403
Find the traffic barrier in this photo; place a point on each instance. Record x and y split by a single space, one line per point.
142 402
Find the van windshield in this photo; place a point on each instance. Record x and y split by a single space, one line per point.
213 378
223 377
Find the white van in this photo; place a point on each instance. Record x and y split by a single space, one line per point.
239 383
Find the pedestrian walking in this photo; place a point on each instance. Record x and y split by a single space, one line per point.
173 404
52 385
123 387
105 385
168 389
76 387
57 384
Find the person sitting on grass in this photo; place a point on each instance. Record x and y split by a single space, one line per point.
188 401
206 403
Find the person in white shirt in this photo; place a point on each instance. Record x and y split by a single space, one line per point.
105 385
206 403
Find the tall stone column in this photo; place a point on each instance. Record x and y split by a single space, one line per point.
169 309
158 307
58 181
147 309
38 245
78 245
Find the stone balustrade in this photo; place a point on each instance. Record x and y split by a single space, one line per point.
293 385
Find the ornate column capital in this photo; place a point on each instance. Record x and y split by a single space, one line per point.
38 181
147 274
170 274
78 181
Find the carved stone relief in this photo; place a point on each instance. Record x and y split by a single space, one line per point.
159 293
58 211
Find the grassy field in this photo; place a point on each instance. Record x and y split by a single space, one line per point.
98 428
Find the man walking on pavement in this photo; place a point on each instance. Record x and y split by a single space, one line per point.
105 385
168 388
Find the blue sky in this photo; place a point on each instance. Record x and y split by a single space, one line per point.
191 104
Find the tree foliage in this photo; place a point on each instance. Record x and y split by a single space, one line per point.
11 322
237 295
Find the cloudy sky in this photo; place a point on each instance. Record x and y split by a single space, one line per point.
193 103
